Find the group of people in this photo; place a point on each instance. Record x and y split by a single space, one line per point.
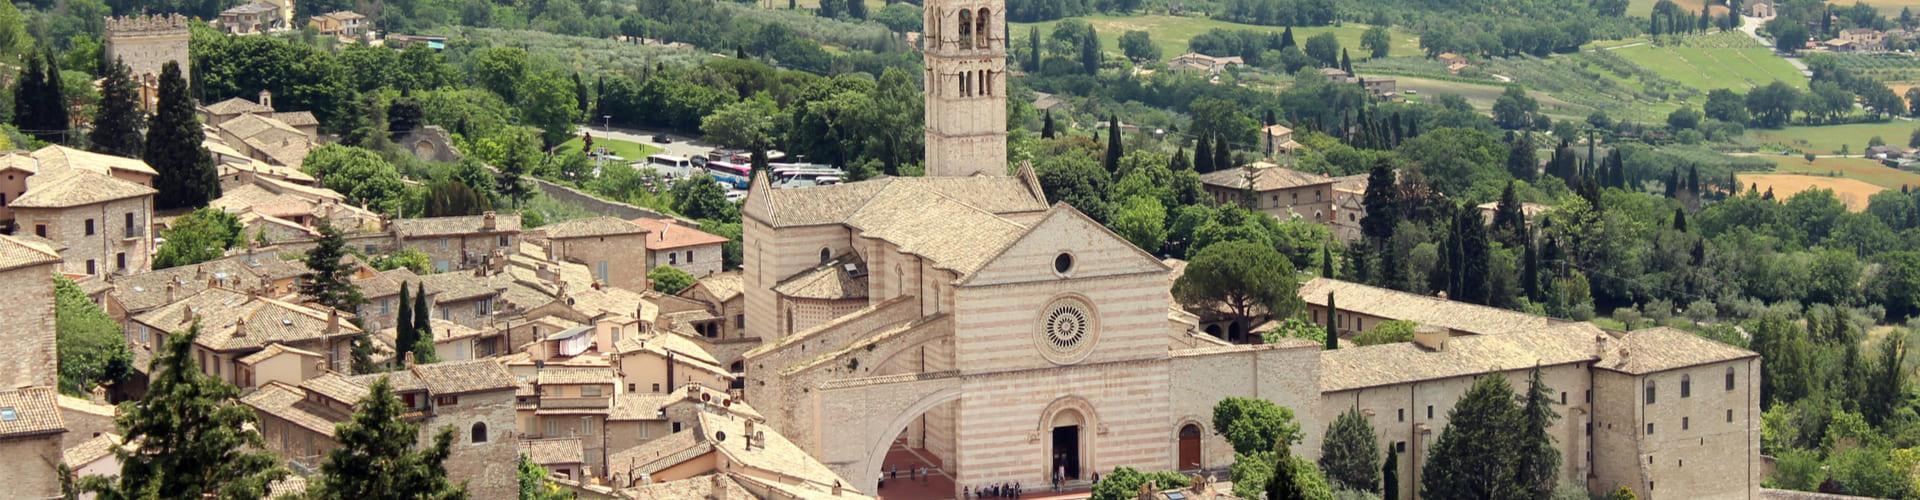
998 490
917 473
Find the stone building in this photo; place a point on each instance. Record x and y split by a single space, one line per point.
1349 206
475 398
461 242
255 18
721 294
682 247
1668 434
30 430
616 250
1278 191
26 294
234 325
342 24
103 222
1276 141
255 131
965 49
146 44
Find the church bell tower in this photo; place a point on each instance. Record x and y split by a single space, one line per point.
966 62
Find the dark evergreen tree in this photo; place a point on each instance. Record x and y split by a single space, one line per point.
328 281
1286 39
1203 156
1693 179
422 324
582 101
1680 220
1887 389
1522 162
1222 154
196 440
1509 219
1326 262
1333 330
1537 466
451 197
117 120
378 456
1474 456
1284 484
1113 146
55 118
1348 454
1390 475
187 176
1179 162
1033 50
28 94
1046 125
857 9
1475 258
1090 51
1382 202
403 332
1673 183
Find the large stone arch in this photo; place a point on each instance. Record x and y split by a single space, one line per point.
861 417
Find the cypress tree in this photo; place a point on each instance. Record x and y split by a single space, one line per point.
1390 475
54 117
1509 220
1113 146
378 455
1333 334
1475 258
1046 125
1680 220
422 323
1693 179
195 439
582 101
1033 52
1179 161
117 122
404 334
1090 51
187 177
1222 154
1286 38
1346 63
1382 202
27 95
1203 155
1326 262
1537 470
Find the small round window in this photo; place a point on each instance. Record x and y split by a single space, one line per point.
1063 263
825 255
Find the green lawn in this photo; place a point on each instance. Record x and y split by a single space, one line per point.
632 151
1865 170
1482 96
1714 68
1827 139
1171 33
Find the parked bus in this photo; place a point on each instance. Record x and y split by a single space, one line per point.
670 166
794 175
729 173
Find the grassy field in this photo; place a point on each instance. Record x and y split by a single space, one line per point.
632 151
1644 7
1714 68
1171 33
1828 139
1482 96
1862 169
1887 7
1852 192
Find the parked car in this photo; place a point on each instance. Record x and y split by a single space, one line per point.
662 139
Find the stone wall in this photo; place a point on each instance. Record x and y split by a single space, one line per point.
26 337
774 255
590 203
110 239
1698 442
617 255
1201 378
32 467
487 467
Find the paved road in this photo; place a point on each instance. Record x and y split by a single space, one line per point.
1751 26
682 145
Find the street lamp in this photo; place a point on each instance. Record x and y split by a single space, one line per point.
606 121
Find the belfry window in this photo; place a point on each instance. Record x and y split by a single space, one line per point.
981 30
966 29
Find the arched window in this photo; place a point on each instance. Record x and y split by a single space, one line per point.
825 255
966 29
980 29
479 432
1729 378
1686 386
966 84
981 75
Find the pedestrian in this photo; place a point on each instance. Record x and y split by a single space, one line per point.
893 472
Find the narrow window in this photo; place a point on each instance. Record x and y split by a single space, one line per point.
1729 414
1685 423
1650 392
479 432
89 227
980 29
1686 386
1403 414
90 267
1729 378
40 230
132 230
120 261
1649 428
1429 412
966 29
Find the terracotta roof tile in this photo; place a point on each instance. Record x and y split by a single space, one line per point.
28 412
665 234
576 375
283 402
817 205
591 227
460 377
1422 309
57 157
232 320
950 234
76 188
722 286
451 226
830 281
1266 177
17 253
1361 367
554 451
237 105
88 451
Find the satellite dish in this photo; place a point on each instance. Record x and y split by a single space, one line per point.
720 436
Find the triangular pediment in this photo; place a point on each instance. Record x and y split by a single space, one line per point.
1094 251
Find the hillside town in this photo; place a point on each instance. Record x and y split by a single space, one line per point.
959 249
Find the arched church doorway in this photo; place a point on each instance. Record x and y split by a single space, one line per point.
1189 447
1069 426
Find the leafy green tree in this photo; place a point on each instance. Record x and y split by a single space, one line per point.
454 198
548 103
199 236
499 69
1474 456
360 174
411 259
1537 464
1349 454
1138 46
378 454
1246 278
1295 478
513 153
1076 180
1376 42
1509 219
1295 327
91 349
195 438
1323 48
1253 425
669 280
1514 109
534 484
1124 483
1887 390
1142 220
1772 105
328 281
748 124
187 176
118 120
1387 332
1726 106
700 197
1788 36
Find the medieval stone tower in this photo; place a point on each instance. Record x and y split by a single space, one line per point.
966 61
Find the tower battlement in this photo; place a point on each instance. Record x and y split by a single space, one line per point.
146 25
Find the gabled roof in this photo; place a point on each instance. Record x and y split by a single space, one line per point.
1659 349
554 451
722 286
820 205
830 281
456 286
28 412
75 188
284 402
55 157
1361 367
950 234
665 234
1266 177
91 450
16 253
1422 309
453 226
460 377
296 118
232 320
237 105
592 227
275 350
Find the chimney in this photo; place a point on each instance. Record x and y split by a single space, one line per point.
408 358
749 435
98 395
333 321
320 366
1431 338
836 488
240 327
489 221
172 292
266 99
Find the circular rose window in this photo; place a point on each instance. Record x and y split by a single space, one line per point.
1067 330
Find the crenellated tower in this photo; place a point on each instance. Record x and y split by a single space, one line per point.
965 46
